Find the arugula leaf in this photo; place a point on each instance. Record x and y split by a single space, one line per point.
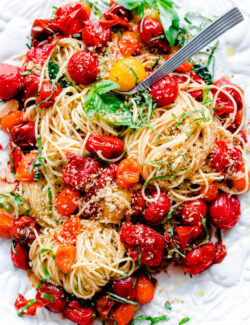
53 69
184 320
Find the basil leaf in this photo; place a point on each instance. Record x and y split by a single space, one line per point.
184 320
53 69
105 86
45 250
130 4
63 82
117 298
50 202
168 305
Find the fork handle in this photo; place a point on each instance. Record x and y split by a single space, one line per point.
209 34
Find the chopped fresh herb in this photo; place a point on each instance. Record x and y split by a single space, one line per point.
139 255
48 297
207 101
134 74
17 201
13 248
3 203
22 309
25 73
134 283
63 82
152 320
50 202
184 321
168 305
76 35
175 250
53 69
45 250
204 224
39 160
117 298
27 212
156 38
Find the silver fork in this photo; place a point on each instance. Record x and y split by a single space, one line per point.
205 37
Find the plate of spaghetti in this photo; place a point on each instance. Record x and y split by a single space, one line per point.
103 194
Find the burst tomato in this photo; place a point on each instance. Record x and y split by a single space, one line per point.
193 212
79 314
24 135
108 175
104 146
240 184
138 203
48 94
21 302
11 82
41 29
68 232
104 305
115 15
128 172
124 314
94 34
211 193
125 288
165 91
221 253
187 234
57 295
156 212
20 255
128 43
144 290
31 84
16 156
25 172
184 67
25 229
39 54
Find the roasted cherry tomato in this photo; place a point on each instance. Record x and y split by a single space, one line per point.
16 156
79 171
24 135
128 43
41 29
25 172
199 259
31 84
20 255
5 225
157 211
39 54
68 232
144 290
187 234
196 94
83 67
125 287
12 119
70 18
225 212
25 229
127 73
67 201
108 175
223 107
104 146
57 297
138 203
79 314
211 193
193 212
149 29
11 82
241 183
65 256
143 243
21 302
165 91
104 305
115 15
48 94
124 314
94 34
184 67
221 253
226 158
128 172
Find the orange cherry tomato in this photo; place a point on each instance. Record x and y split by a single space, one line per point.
12 119
240 184
5 225
69 230
67 201
128 172
211 193
184 67
144 290
23 172
128 43
124 314
65 257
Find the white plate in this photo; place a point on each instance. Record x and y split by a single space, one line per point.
219 296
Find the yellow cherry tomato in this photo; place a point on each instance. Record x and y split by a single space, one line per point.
127 73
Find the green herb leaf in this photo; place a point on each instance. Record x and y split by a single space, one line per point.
168 305
39 160
25 73
117 298
22 309
63 82
13 248
45 250
176 251
53 69
184 320
48 297
50 202
153 320
139 255
207 101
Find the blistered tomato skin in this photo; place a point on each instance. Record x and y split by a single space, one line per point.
157 211
67 201
108 175
165 91
105 146
79 314
199 259
83 68
11 82
58 295
125 288
24 135
31 84
225 211
20 256
211 193
187 234
128 172
128 43
48 94
94 34
138 203
39 54
150 28
193 212
103 306
41 29
25 229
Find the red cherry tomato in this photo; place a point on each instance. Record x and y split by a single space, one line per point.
193 212
199 259
184 67
25 229
148 29
79 172
16 156
223 107
187 234
58 297
39 54
125 288
225 211
70 18
104 305
115 15
79 314
138 203
31 84
165 91
48 94
226 158
128 172
94 34
211 193
68 232
144 290
128 43
41 29
156 212
104 146
108 174
11 82
5 225
24 135
21 302
23 172
20 256
67 201
221 253
143 243
83 68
